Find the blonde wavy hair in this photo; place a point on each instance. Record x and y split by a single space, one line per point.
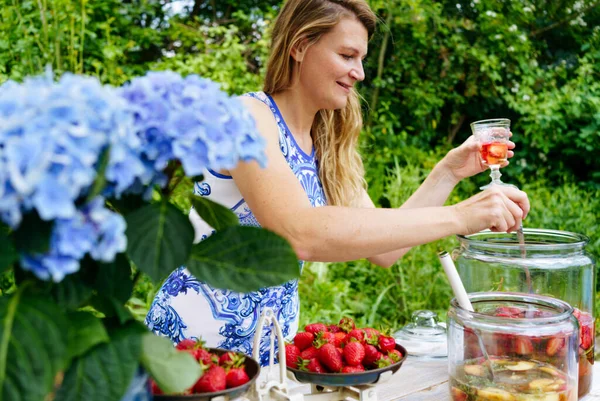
335 132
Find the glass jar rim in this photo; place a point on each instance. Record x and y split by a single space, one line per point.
490 121
564 309
577 240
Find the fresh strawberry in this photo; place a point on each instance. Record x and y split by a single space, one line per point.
203 356
330 357
372 337
353 369
292 356
358 334
309 353
154 388
370 332
304 340
339 339
384 361
323 337
236 377
554 345
315 366
315 328
347 324
334 328
214 379
458 395
372 355
523 346
395 355
386 344
226 359
188 343
354 353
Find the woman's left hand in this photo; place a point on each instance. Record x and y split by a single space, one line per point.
465 160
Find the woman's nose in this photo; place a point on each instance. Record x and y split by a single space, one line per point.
358 72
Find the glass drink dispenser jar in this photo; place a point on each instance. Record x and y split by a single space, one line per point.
513 347
551 263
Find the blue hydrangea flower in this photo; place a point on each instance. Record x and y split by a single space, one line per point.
51 137
192 120
93 230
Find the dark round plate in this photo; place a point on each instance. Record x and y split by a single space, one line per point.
252 369
348 379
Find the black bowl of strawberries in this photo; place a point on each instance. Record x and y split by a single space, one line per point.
342 355
226 373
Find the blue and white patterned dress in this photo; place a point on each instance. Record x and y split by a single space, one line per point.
187 308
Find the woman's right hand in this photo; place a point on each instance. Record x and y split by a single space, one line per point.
499 208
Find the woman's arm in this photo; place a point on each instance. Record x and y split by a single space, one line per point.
333 233
434 191
461 162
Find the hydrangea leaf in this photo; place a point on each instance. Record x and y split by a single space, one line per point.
8 253
244 259
85 332
33 235
114 279
160 238
73 291
114 362
173 371
33 346
214 214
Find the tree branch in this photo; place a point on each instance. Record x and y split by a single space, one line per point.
454 129
381 60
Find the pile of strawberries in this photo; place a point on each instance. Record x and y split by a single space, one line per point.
220 372
340 348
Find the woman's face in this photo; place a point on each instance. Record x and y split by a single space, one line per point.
333 65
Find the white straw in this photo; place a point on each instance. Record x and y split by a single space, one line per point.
455 282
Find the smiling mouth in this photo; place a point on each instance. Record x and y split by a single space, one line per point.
347 87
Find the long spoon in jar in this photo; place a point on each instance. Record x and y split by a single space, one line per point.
463 300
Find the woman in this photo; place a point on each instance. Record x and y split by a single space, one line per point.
313 192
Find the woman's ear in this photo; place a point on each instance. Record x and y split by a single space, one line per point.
299 50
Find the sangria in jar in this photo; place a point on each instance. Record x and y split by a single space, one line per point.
513 347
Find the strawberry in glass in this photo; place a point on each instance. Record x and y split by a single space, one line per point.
494 153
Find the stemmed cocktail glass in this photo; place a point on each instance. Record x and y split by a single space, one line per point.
493 137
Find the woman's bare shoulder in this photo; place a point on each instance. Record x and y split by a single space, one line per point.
265 121
255 106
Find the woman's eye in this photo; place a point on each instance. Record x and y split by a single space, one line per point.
347 56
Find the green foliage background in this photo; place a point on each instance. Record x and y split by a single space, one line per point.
433 67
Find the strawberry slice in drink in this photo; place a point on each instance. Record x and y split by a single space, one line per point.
494 152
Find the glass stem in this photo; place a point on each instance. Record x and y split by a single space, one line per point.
495 174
